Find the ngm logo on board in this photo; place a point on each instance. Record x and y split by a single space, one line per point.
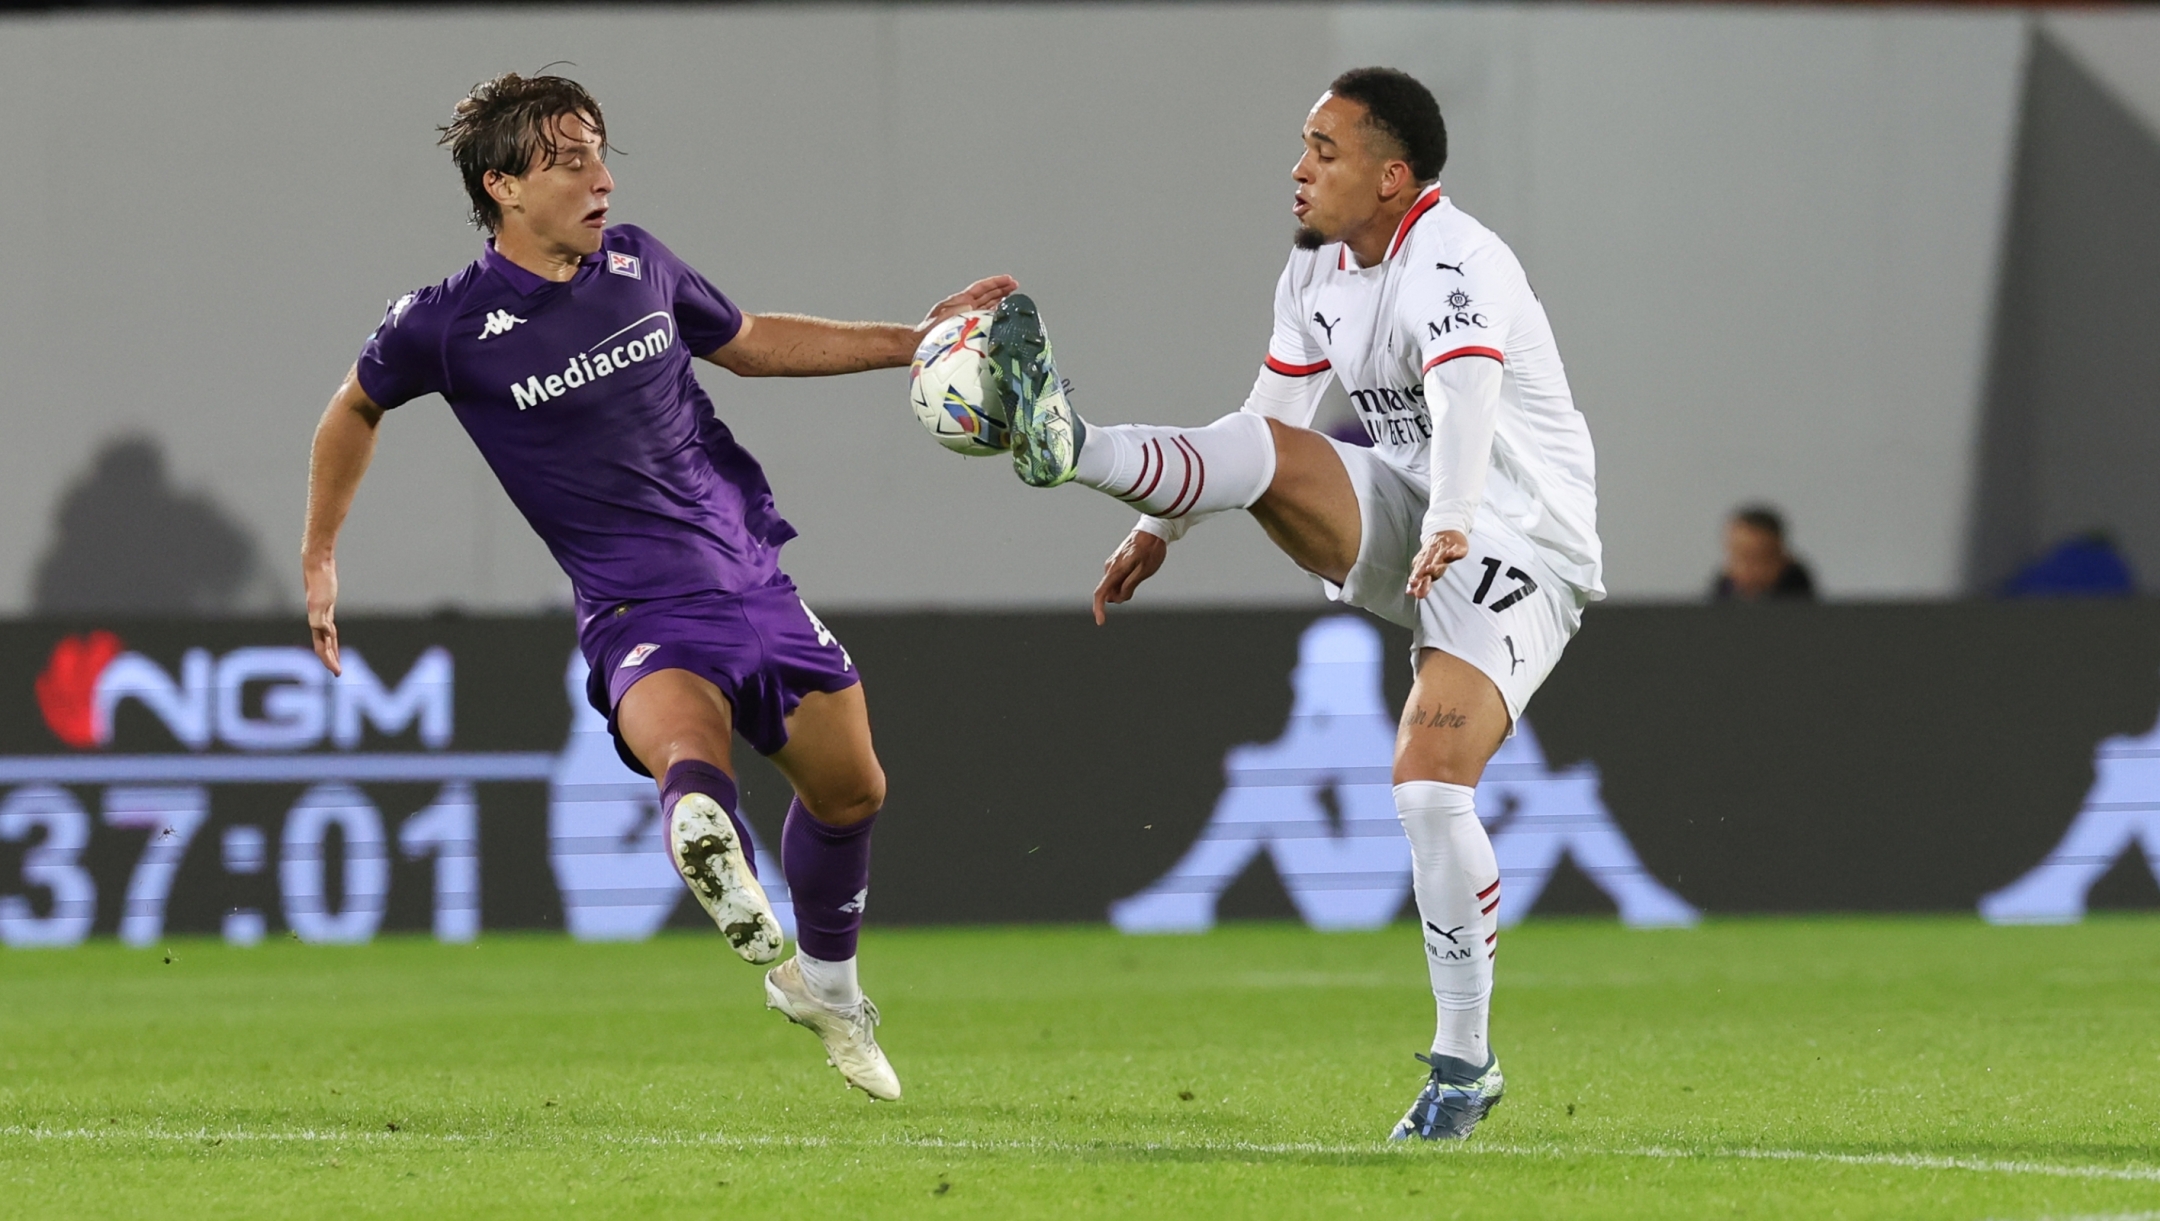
190 758
252 698
252 715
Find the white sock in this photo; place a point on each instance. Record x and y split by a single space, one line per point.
830 983
1458 899
1172 472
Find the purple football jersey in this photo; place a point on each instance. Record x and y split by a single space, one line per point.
581 397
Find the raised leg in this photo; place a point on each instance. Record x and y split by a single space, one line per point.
679 726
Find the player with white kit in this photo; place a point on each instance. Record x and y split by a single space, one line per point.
1471 519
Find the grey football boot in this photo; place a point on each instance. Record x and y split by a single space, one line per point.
1046 432
1455 1098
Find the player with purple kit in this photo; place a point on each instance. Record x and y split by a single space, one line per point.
565 351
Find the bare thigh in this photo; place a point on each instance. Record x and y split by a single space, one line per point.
1453 723
673 716
829 759
1310 510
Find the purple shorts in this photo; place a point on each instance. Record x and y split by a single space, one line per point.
762 648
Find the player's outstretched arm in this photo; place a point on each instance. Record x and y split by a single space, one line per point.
1135 560
344 444
793 345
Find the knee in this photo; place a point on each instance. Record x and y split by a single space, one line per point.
689 748
848 805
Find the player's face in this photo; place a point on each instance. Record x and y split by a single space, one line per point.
1339 179
563 201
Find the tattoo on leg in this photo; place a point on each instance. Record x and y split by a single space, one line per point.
1438 718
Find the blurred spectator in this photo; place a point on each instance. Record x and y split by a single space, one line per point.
2087 566
1757 565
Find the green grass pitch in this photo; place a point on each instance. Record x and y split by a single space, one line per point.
1796 1068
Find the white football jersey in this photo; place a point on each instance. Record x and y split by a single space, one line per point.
1449 289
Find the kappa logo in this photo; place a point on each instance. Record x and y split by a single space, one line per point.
624 265
1319 803
636 657
825 636
499 323
2119 817
859 903
399 306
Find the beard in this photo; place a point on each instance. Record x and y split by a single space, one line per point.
1308 238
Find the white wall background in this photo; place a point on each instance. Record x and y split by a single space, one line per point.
1767 240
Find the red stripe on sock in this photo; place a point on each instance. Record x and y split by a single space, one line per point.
1487 910
1185 486
1128 492
1489 889
1150 489
1489 938
1193 461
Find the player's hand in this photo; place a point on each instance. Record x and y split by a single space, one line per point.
321 582
1135 560
1433 558
982 294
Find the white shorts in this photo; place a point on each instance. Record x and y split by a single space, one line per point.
1499 608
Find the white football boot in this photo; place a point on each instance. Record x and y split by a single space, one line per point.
849 1036
711 858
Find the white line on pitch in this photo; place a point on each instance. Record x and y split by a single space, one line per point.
1906 1161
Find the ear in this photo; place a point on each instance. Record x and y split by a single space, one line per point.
1395 178
504 189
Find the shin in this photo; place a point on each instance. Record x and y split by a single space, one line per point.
1179 472
1457 883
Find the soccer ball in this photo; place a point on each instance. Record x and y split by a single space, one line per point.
952 387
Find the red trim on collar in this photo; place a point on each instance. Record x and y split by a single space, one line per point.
1426 203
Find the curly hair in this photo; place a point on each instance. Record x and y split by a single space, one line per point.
506 124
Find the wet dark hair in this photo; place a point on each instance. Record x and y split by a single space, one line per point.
505 124
1763 518
1403 111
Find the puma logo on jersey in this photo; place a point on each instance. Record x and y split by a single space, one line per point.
499 323
1454 267
1513 661
1325 325
858 903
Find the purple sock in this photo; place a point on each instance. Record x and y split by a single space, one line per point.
828 873
691 776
